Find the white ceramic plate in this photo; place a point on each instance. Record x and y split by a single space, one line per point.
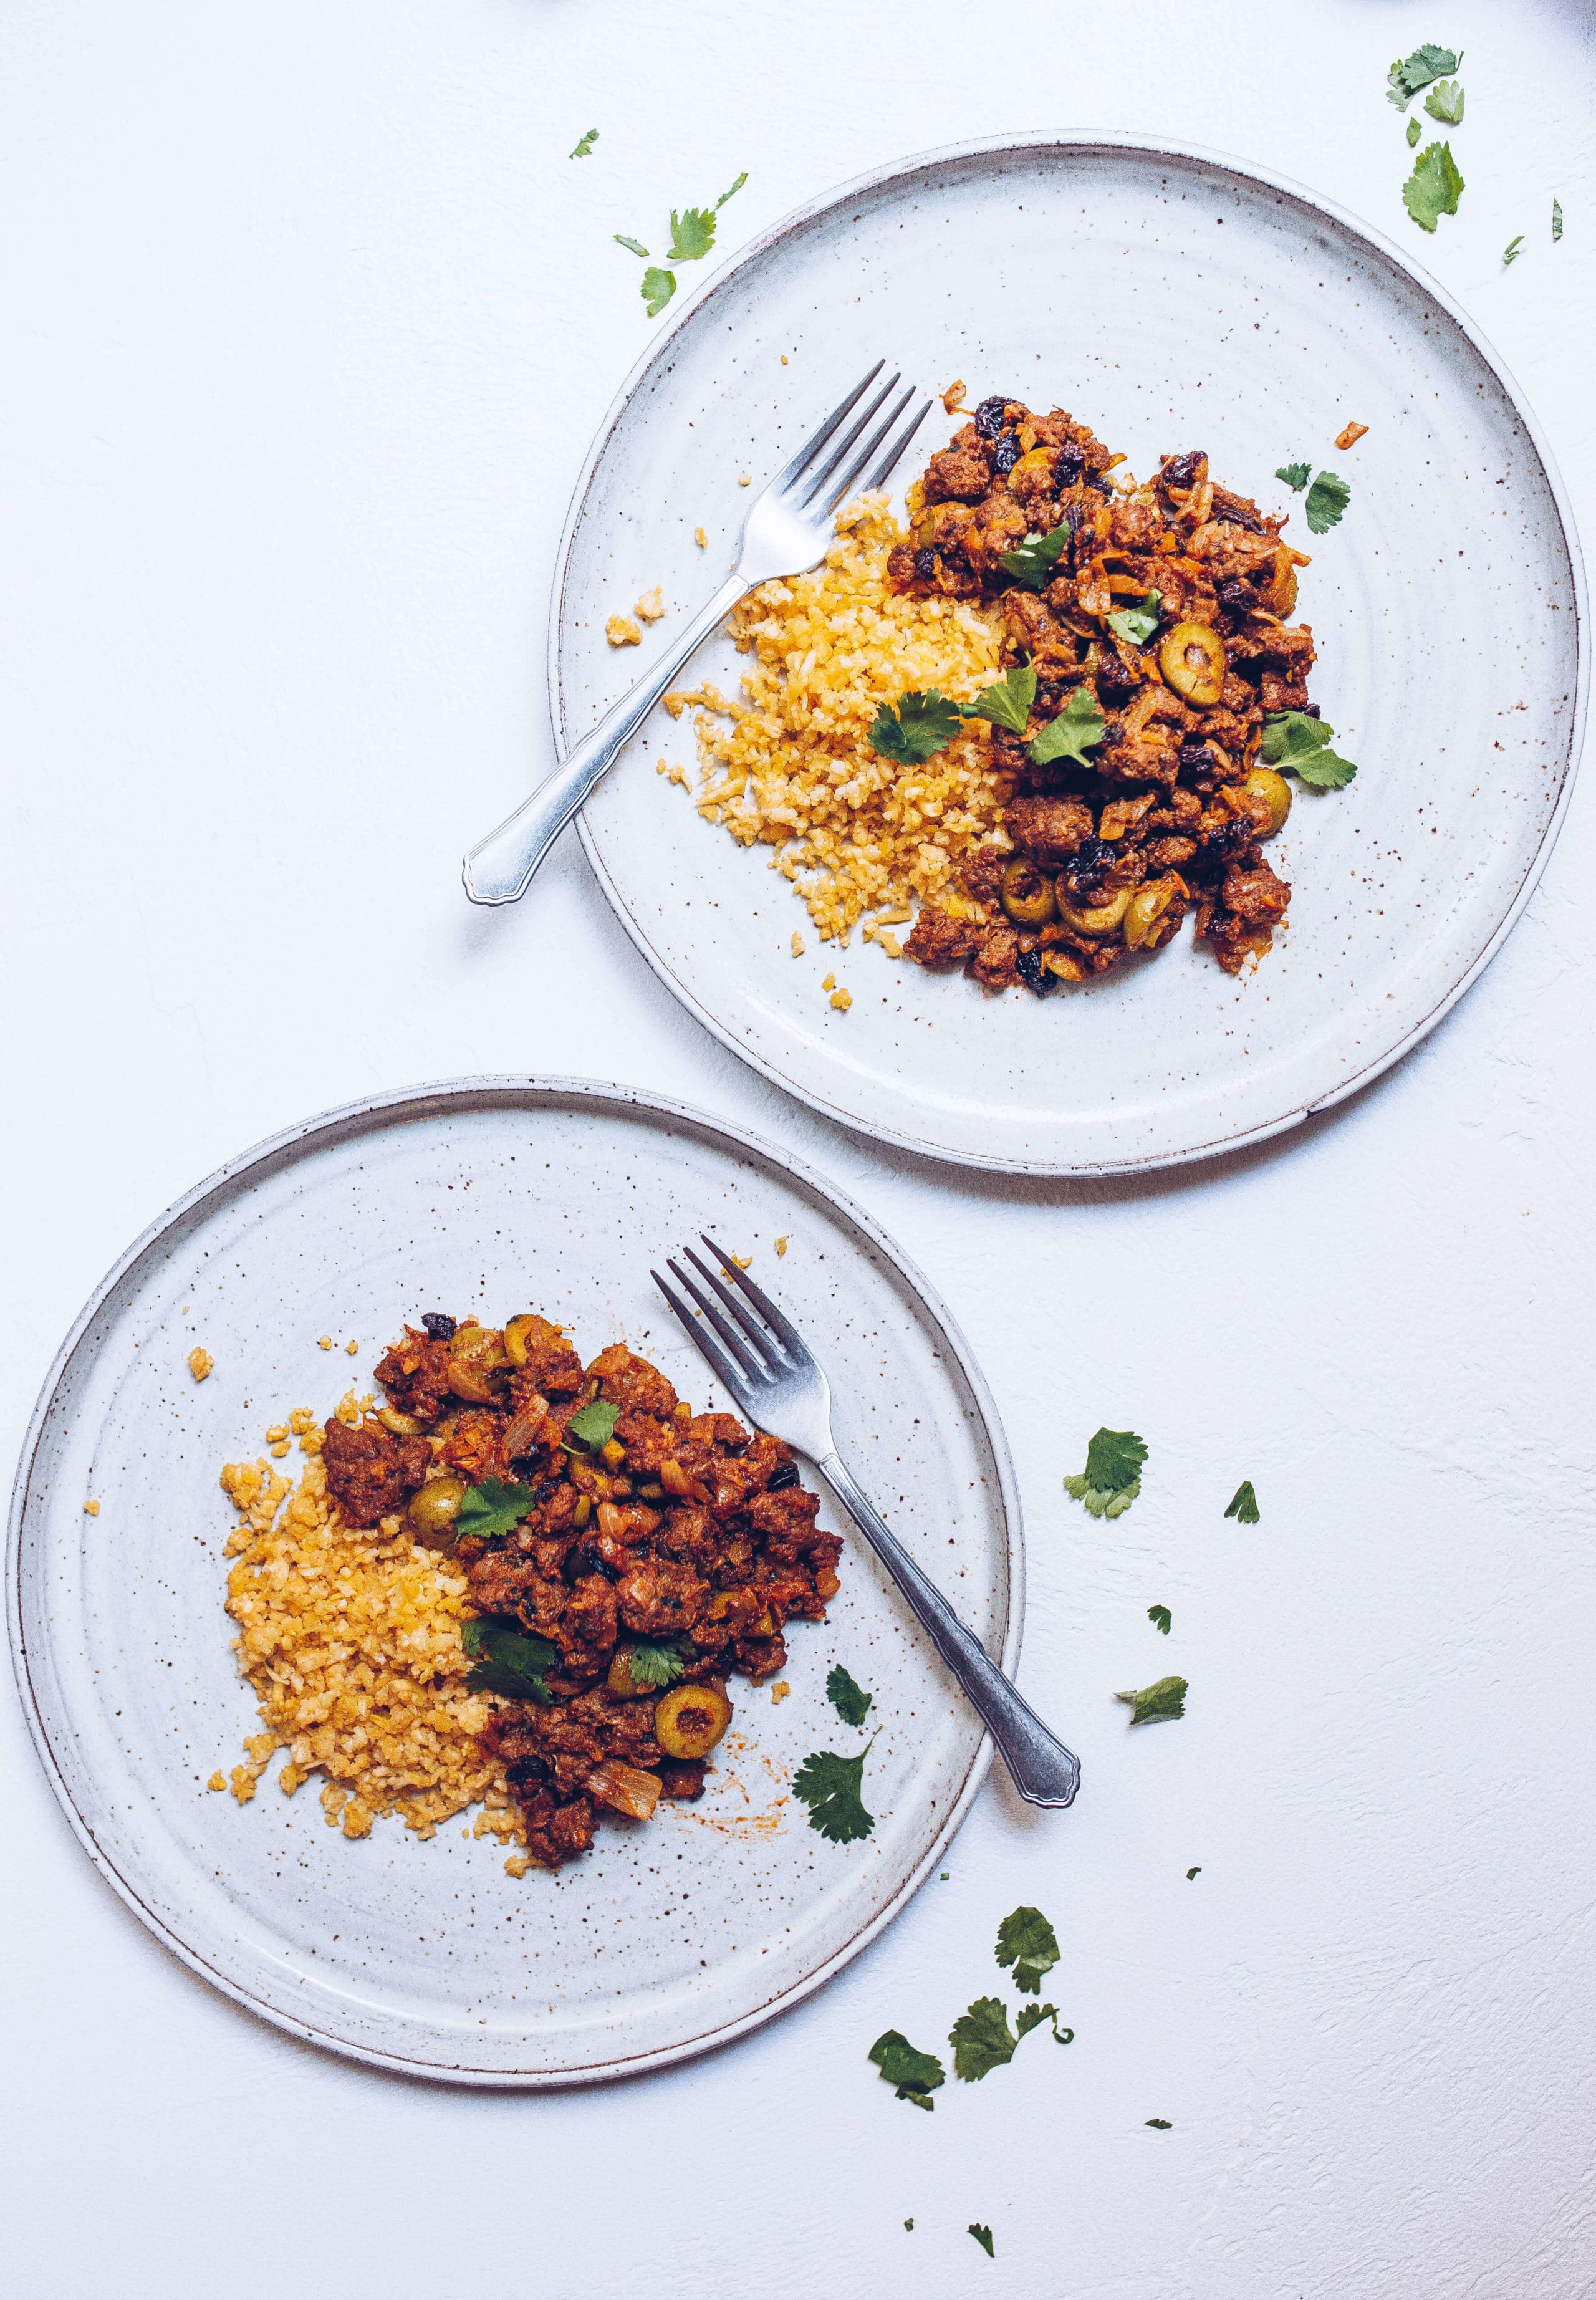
1170 299
427 1957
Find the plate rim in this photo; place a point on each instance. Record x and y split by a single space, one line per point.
429 1099
995 148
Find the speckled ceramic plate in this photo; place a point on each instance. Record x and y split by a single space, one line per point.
428 1957
1171 299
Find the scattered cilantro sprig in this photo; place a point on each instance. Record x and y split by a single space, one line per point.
916 2075
1243 1504
692 237
495 1507
983 2237
1112 1477
1027 1941
1160 1617
1325 501
1509 254
1295 475
1434 187
1300 742
830 1786
1444 103
1409 74
847 1697
1166 1698
585 143
1557 220
982 2040
506 1661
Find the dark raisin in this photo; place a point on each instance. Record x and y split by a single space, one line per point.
1007 455
1309 711
1103 483
1032 972
1068 464
1115 682
925 565
593 1557
781 1478
1194 755
527 1776
440 1328
1093 858
989 417
1237 593
547 1490
1180 471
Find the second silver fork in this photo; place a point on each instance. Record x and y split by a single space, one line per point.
788 530
758 1356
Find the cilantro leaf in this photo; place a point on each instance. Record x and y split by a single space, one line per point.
1160 1617
1444 103
495 1507
982 2040
1557 218
1295 740
506 1661
635 245
657 289
1027 1941
1325 501
1138 623
1166 1698
1032 562
1032 2016
1243 1504
1112 1477
654 1661
1160 2124
831 1785
916 2075
1008 702
592 1426
1509 254
1409 74
692 235
1295 475
1432 189
1414 132
1194 1872
737 187
1079 726
916 726
850 1701
585 145
983 2237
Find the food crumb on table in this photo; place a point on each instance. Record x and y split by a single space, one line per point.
700 537
781 1246
200 1361
91 1509
518 1864
744 479
842 1000
829 982
218 1780
1350 436
324 1341
797 945
351 1349
621 632
651 607
780 1692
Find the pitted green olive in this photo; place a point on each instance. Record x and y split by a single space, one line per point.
1269 796
433 1510
1101 918
1027 893
1192 660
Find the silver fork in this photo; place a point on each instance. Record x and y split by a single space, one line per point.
769 1368
787 531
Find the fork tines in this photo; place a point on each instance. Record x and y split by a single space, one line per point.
751 1349
825 489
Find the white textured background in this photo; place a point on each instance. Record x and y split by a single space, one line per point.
308 322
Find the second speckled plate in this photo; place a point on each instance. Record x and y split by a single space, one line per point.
487 1197
1171 299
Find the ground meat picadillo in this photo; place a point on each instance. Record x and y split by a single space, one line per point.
683 1529
1105 859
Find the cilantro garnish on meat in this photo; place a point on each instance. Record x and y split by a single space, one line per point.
1027 1941
652 1662
830 1787
1433 188
1409 74
1166 1698
916 2075
495 1507
1243 1504
1112 1477
506 1661
1137 624
1008 702
848 1699
1032 562
1078 728
915 728
594 1426
1300 742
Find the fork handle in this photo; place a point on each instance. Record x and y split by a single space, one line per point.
501 867
1044 1770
